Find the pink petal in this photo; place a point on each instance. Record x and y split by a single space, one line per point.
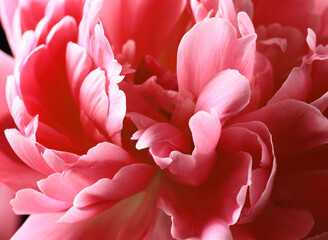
162 132
7 11
297 86
27 150
118 187
207 49
13 172
321 103
9 222
276 223
101 161
273 11
301 126
307 191
219 198
107 154
65 186
29 201
78 65
124 220
136 103
194 169
93 39
255 139
59 161
121 20
93 100
228 93
106 192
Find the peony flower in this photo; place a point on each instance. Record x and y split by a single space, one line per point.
166 120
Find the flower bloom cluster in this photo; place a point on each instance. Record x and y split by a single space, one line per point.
175 119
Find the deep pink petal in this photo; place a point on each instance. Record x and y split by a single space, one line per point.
301 126
255 139
297 86
216 203
273 11
121 20
307 191
276 223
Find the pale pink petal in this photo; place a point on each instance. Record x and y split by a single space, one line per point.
207 49
107 192
129 218
7 12
24 176
216 230
53 161
93 39
227 10
59 163
228 93
27 150
107 154
93 100
200 11
65 186
118 187
29 201
101 161
78 65
245 24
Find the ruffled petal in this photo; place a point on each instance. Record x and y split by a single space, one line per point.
210 47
